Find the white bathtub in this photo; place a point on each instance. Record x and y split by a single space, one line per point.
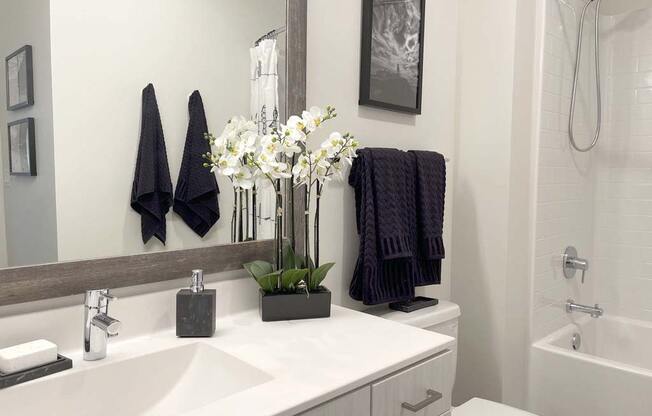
609 375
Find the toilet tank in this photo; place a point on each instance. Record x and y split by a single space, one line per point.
442 318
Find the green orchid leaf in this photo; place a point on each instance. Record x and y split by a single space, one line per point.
319 274
289 258
292 260
299 261
311 264
269 282
258 268
292 277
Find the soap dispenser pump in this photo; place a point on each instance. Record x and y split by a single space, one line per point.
196 309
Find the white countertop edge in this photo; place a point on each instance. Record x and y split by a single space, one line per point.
366 348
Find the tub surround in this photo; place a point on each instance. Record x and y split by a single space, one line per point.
308 362
609 374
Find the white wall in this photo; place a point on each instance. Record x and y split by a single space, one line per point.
481 223
333 75
516 345
470 87
102 58
29 202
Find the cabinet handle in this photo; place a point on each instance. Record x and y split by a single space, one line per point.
433 396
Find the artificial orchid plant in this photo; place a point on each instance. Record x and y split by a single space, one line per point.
250 159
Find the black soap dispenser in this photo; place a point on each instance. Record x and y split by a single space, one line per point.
196 309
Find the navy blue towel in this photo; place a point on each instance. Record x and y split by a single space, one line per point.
195 198
384 183
430 192
151 193
399 213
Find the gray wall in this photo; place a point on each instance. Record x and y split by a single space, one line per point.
29 202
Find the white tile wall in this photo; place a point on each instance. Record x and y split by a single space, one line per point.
565 178
623 220
600 202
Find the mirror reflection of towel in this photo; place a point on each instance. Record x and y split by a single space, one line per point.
151 194
195 198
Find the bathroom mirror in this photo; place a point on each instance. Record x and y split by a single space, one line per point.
89 64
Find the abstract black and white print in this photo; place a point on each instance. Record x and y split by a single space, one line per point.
19 144
19 73
22 159
395 52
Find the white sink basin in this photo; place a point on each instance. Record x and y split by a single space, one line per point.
169 382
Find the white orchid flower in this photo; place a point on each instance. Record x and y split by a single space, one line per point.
249 139
294 134
350 152
271 145
281 171
243 178
333 145
289 146
312 119
274 169
296 123
226 171
320 161
301 169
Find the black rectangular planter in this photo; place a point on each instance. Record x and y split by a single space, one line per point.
287 307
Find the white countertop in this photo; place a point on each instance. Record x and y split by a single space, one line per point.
310 361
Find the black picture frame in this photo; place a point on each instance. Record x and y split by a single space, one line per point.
27 50
30 148
366 80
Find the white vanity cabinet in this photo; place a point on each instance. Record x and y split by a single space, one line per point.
423 389
355 403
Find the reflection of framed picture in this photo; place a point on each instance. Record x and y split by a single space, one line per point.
22 147
391 70
20 82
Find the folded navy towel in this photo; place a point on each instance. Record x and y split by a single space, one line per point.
195 198
151 194
384 183
430 192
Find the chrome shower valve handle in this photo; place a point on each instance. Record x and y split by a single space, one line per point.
571 263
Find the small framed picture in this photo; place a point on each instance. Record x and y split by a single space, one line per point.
20 79
22 147
391 65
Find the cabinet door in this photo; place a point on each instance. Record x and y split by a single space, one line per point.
357 403
422 390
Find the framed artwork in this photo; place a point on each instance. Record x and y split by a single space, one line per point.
22 147
391 65
20 78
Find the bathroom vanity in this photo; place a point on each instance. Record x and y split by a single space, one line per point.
349 364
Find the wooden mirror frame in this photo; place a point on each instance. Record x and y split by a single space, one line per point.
31 283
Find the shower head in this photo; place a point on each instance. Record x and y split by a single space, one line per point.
613 7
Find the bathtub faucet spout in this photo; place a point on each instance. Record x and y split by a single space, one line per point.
595 311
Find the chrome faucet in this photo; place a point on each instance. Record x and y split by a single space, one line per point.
595 311
98 325
571 263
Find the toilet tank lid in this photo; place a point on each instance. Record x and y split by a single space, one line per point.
434 315
482 407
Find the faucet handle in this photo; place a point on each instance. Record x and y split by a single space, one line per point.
571 263
98 298
108 297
